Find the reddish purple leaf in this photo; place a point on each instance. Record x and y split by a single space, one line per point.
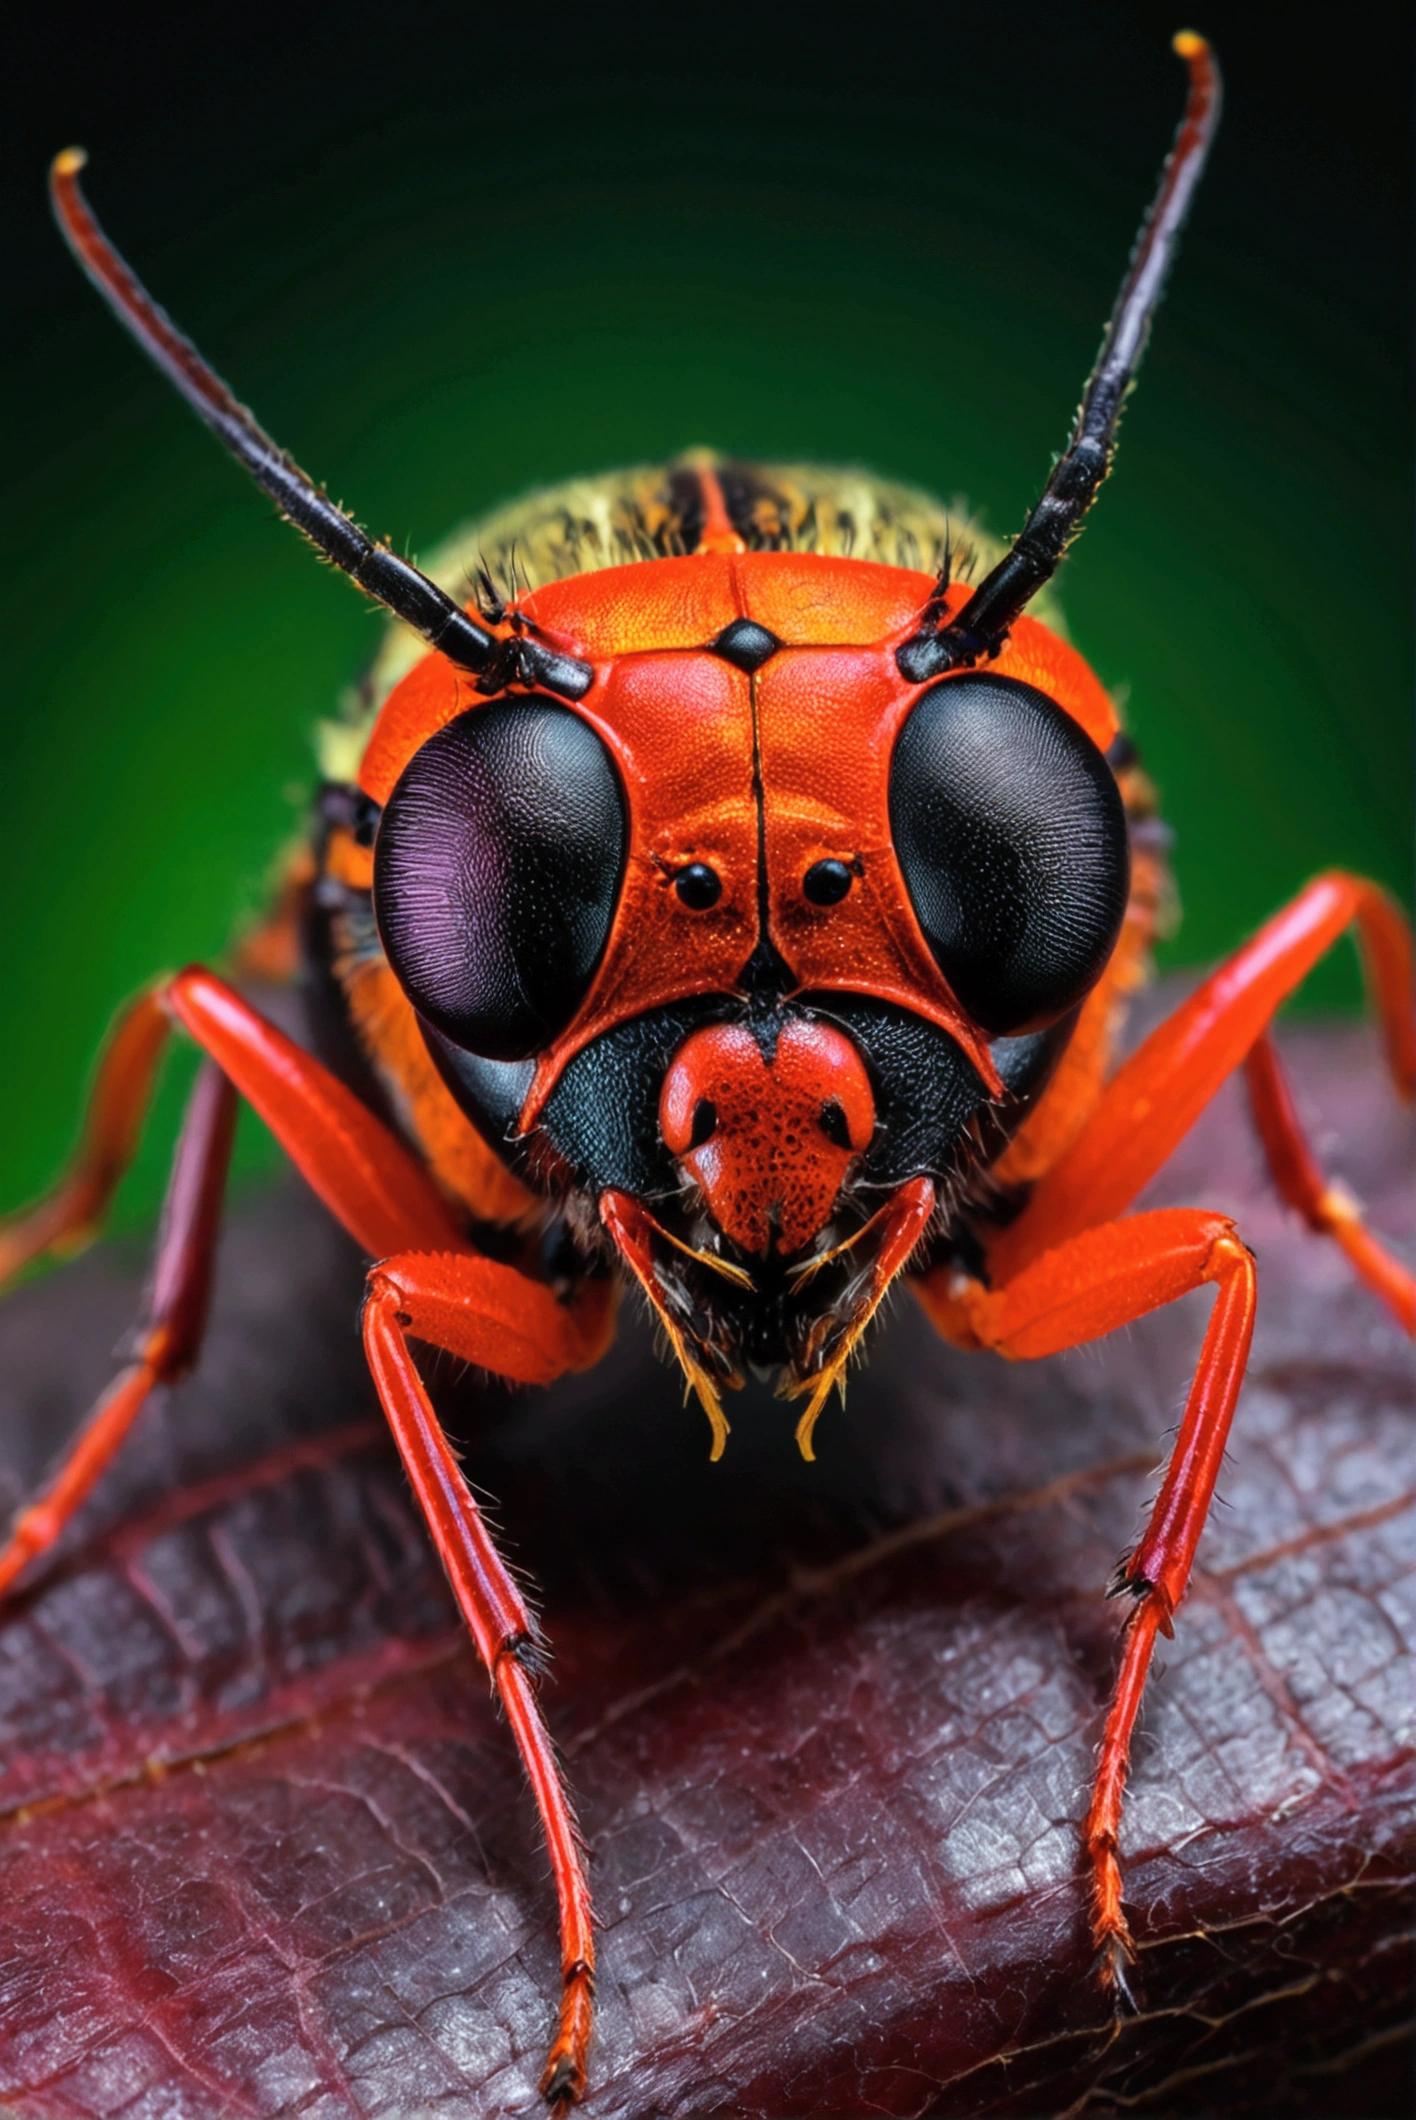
266 1848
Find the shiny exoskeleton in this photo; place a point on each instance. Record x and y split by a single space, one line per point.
756 932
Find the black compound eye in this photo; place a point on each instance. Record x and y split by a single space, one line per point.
826 882
1012 839
698 886
496 873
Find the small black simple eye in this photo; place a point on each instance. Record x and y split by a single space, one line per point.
826 882
1012 839
698 886
496 874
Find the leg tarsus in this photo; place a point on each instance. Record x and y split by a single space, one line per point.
1101 1835
563 2082
1157 1572
1113 1964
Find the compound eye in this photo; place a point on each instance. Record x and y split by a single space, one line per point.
1011 836
496 873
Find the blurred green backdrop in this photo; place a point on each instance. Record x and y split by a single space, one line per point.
448 257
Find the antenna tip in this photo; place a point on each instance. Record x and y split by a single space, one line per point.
1190 45
68 162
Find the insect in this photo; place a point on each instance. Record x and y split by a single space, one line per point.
725 895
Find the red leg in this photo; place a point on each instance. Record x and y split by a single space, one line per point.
485 1312
1327 1209
1156 1097
67 1219
1088 1286
370 1182
366 1177
468 1305
170 1336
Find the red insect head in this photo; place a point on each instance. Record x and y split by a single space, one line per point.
756 931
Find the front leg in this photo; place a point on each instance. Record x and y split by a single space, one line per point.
431 1285
490 1315
1105 1278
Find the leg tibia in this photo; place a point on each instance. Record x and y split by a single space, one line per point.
1101 1833
1159 1568
496 1613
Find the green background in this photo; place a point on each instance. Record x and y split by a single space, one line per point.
448 257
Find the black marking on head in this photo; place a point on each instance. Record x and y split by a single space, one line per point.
1025 1065
602 1117
926 1089
835 1125
491 1092
705 1122
766 978
745 644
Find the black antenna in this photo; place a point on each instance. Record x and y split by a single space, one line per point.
982 625
380 573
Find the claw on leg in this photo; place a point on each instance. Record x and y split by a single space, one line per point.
563 2083
1111 1932
1115 1956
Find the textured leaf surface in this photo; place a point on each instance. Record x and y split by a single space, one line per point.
264 1844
